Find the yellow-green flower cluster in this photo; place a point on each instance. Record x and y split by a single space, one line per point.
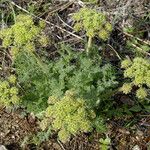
69 116
22 35
126 88
94 23
9 92
138 71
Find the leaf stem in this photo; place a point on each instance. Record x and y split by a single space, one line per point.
89 44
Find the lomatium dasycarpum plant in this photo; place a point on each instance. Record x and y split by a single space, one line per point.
68 115
94 23
9 92
138 72
22 36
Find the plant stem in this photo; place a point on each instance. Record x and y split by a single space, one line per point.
89 44
39 62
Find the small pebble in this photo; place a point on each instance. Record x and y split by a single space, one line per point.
2 147
136 147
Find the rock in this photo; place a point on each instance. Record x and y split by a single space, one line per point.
127 100
2 147
56 146
31 119
136 147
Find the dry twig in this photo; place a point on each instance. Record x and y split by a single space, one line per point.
46 21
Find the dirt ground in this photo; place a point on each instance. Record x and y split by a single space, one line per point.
16 126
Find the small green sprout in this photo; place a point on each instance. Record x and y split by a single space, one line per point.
105 143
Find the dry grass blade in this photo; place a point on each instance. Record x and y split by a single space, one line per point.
130 35
46 21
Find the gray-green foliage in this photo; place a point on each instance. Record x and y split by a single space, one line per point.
87 76
72 70
33 80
